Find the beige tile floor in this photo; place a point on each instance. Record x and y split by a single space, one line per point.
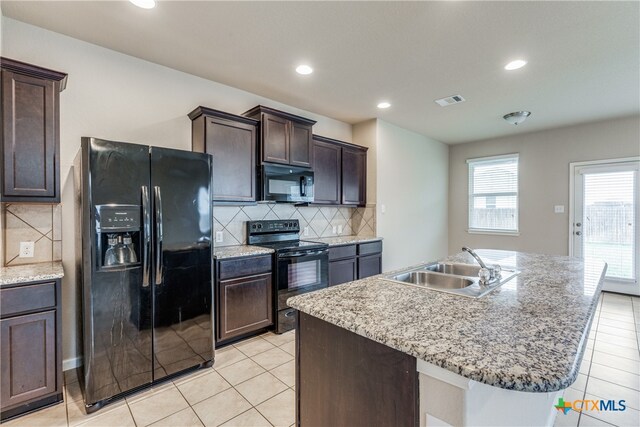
252 384
611 365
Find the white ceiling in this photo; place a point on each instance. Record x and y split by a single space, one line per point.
584 57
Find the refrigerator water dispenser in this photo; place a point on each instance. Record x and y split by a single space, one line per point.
118 236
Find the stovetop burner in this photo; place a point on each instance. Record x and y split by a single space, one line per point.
293 245
279 235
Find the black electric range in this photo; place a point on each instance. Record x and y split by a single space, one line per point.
300 266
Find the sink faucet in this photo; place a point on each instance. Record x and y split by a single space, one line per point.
475 255
494 270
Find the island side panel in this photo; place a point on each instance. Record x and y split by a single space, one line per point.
345 379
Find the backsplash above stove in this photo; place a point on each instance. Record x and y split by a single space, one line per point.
320 220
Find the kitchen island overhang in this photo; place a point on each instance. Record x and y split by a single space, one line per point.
528 336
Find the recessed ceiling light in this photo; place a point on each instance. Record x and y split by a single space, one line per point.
384 105
514 65
304 69
145 4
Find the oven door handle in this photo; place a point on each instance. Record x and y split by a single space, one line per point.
301 254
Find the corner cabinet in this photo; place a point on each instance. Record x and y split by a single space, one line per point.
231 140
30 148
284 138
340 171
30 347
244 297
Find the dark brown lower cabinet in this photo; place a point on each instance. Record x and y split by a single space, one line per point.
30 347
353 262
369 265
344 379
244 297
343 271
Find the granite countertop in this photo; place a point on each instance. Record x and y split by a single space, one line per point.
239 251
527 335
30 273
344 240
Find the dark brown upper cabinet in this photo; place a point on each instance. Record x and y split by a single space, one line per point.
30 148
354 176
340 172
284 138
327 170
231 140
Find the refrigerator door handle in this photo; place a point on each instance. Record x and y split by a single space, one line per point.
158 204
146 236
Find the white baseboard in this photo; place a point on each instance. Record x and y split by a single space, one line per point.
68 364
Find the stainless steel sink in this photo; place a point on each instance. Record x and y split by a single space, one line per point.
457 269
458 279
434 280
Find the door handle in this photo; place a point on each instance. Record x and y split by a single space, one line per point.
159 232
146 236
303 186
578 233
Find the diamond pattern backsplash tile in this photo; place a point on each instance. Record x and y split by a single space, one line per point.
41 224
320 220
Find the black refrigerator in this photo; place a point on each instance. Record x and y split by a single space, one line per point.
144 266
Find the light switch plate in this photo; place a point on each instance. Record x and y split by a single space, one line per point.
335 229
340 229
306 231
26 249
558 208
219 236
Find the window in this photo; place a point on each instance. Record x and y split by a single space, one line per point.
493 194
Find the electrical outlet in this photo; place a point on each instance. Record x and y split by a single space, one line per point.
219 236
340 229
558 208
306 231
26 249
335 229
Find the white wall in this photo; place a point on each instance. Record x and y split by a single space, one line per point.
543 180
114 96
412 186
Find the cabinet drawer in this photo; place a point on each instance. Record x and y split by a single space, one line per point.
244 267
369 248
340 252
27 298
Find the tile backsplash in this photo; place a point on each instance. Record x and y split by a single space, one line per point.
23 222
320 220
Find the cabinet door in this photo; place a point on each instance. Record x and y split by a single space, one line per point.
342 271
300 144
29 140
245 305
369 265
354 176
233 147
28 362
327 167
275 139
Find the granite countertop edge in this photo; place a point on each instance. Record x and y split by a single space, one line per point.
502 374
240 251
27 273
345 240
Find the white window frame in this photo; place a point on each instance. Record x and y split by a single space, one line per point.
480 160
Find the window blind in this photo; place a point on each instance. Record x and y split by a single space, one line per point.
609 220
493 194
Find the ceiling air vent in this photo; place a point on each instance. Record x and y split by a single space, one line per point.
450 100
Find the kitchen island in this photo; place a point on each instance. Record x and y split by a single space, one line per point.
379 352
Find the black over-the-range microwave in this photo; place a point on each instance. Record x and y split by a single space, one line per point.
281 183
